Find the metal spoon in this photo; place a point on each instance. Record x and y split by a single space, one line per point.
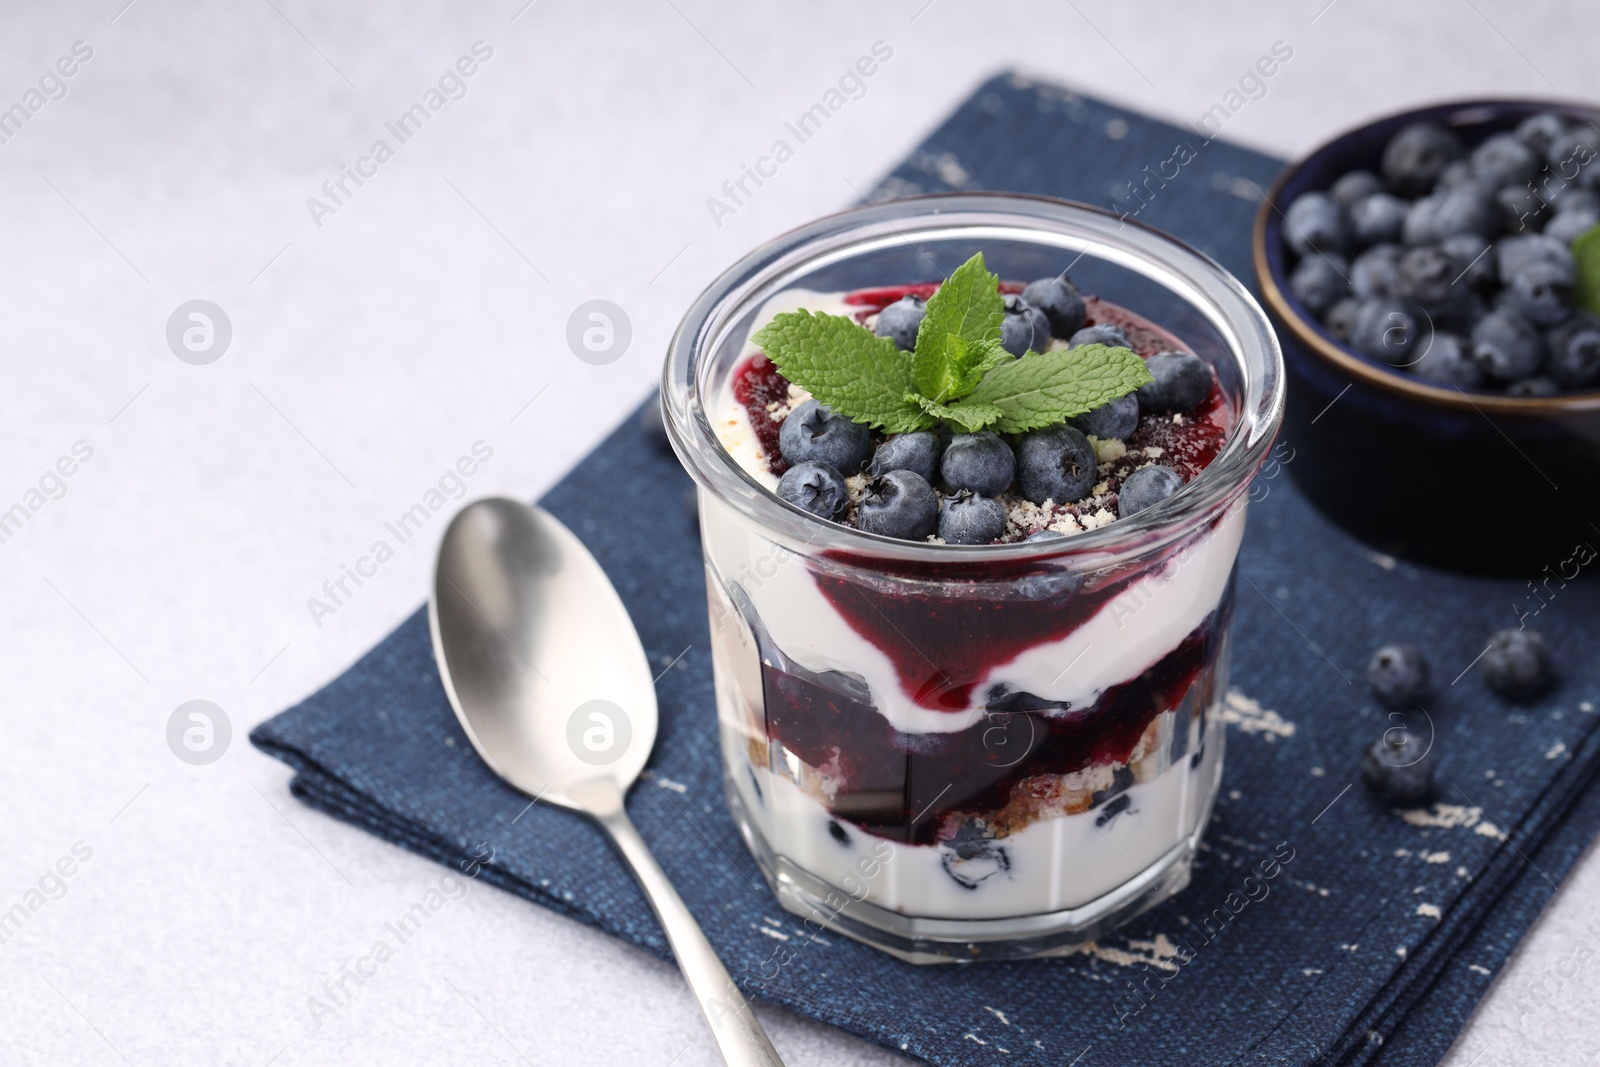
546 673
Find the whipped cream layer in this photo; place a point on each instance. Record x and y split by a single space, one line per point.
1051 865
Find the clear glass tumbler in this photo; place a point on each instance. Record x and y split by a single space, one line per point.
984 752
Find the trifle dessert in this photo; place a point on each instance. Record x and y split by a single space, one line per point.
970 571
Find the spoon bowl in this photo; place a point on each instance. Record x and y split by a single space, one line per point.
538 655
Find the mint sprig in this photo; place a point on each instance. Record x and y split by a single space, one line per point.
957 373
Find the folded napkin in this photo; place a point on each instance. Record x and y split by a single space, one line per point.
1321 925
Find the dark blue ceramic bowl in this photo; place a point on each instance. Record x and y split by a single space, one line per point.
1463 480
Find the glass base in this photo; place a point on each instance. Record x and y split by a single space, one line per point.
923 940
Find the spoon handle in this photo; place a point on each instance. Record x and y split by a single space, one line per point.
734 1026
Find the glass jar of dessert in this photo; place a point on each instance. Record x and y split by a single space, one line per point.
972 474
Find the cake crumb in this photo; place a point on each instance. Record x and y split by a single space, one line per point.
1109 450
1096 520
1067 523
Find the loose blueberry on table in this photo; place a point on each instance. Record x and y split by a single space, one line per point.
1398 767
1517 664
1398 675
976 412
1466 266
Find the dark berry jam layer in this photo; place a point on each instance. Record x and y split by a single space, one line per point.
757 385
946 644
990 779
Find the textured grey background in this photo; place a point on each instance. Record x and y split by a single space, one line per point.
369 353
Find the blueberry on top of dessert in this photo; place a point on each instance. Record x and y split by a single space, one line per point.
1467 266
972 412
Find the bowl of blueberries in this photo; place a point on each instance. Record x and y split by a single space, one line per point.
1433 279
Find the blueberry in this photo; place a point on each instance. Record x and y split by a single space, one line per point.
1425 275
915 452
1534 387
1568 226
1320 281
1354 185
1517 664
1538 131
1516 254
815 487
1448 362
1522 209
1182 382
899 504
970 519
1314 223
1056 463
1414 157
1398 674
901 320
1506 346
1421 221
1540 292
1574 352
1575 198
1378 218
1538 272
1473 258
1398 767
969 865
1024 327
1061 303
1374 273
1145 488
1114 419
1502 159
1572 156
1106 333
1341 318
1454 173
813 434
1467 208
1389 330
980 462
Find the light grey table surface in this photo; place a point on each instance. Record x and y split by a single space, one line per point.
376 343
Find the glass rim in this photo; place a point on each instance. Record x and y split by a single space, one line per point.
1188 273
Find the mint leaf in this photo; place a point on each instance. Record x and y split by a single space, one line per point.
847 368
1044 388
946 368
994 356
968 305
966 416
1586 255
959 328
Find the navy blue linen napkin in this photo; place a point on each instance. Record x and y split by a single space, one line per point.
1377 931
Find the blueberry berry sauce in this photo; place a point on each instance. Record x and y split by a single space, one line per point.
1001 773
